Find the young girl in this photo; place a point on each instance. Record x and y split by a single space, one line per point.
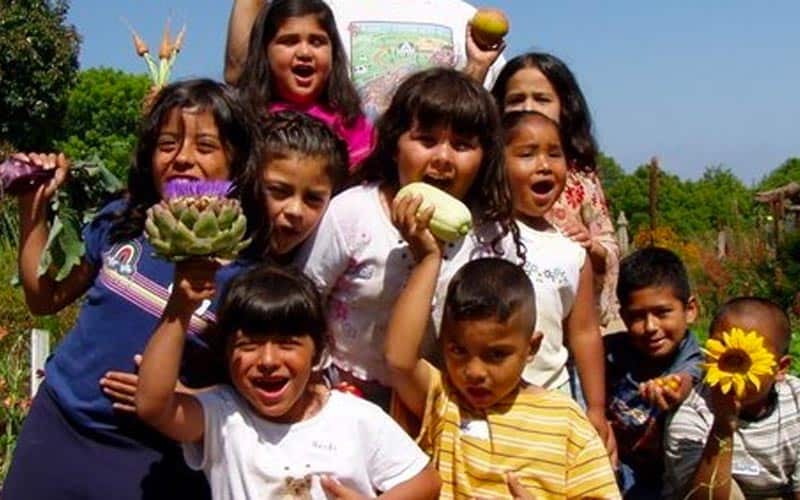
304 164
73 444
543 83
296 61
441 128
489 433
275 431
537 171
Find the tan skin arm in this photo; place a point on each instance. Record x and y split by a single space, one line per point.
425 485
43 294
177 415
713 479
586 345
240 23
409 320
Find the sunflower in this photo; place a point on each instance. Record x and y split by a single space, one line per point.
739 358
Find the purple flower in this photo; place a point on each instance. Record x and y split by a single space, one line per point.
195 189
17 176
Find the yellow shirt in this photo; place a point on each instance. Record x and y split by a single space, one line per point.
544 438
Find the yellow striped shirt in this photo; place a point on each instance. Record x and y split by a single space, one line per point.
544 438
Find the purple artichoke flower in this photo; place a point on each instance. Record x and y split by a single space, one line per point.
18 177
195 189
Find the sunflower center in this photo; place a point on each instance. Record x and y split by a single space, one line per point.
735 361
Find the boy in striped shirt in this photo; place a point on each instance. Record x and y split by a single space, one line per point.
720 447
489 434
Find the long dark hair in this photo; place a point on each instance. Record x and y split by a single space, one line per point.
235 126
256 80
575 120
446 97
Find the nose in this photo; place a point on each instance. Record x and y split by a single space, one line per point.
184 158
443 157
268 357
542 164
650 323
303 50
529 104
474 371
293 208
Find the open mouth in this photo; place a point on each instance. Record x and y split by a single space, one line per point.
271 387
181 178
303 70
543 187
478 394
439 182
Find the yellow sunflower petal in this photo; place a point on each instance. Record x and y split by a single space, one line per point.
754 380
714 348
739 386
725 385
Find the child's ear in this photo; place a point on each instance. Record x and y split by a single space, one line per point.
691 310
784 363
535 342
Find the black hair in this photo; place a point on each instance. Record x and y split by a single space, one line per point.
441 97
575 118
751 306
652 267
490 288
256 79
291 132
272 301
513 119
235 125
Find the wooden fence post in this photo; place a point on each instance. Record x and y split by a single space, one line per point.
622 233
40 350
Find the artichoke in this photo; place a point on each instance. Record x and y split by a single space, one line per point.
18 177
196 219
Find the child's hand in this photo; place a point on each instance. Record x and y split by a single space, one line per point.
121 388
38 198
667 392
516 489
726 408
338 491
413 225
578 233
480 58
193 282
597 417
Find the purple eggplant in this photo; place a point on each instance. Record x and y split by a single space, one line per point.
18 176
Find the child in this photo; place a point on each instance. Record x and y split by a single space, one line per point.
73 444
296 61
304 164
275 431
718 446
441 128
543 83
555 264
490 434
651 368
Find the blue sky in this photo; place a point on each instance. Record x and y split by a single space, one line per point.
696 83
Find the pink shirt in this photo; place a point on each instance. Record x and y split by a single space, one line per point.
358 136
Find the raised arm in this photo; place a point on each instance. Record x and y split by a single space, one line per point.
409 321
240 23
43 294
177 415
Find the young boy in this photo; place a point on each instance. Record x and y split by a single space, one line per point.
718 446
489 433
650 368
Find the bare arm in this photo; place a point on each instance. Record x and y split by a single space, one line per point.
479 60
408 323
177 415
43 294
424 485
240 23
586 345
712 479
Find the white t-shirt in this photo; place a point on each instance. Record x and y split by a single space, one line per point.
387 40
553 262
360 262
245 456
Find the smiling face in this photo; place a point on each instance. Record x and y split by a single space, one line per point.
300 59
439 157
530 90
657 320
484 358
272 373
536 167
298 191
189 147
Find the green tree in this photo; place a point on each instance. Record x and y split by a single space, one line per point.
609 171
38 62
787 172
103 113
721 200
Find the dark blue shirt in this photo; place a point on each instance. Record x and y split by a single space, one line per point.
119 314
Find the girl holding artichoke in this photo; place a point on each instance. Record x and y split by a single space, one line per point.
75 441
